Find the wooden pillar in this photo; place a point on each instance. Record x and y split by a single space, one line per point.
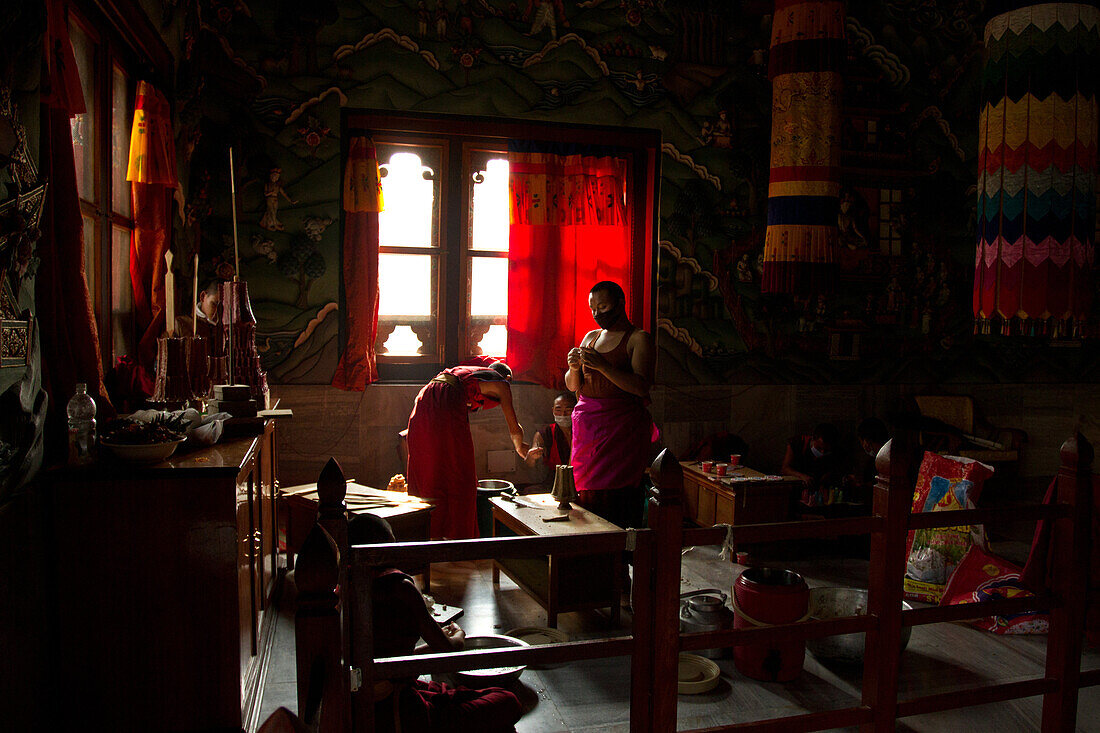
322 681
1069 581
656 603
893 497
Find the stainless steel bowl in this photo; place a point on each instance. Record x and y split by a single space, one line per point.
493 676
836 603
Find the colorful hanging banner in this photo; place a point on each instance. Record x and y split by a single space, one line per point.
152 145
804 64
1037 172
362 182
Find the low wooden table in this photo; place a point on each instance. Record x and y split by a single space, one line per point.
562 582
744 496
409 517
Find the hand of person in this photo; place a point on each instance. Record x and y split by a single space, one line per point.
455 633
534 454
574 358
807 481
594 360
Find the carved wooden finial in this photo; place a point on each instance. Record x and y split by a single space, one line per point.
668 478
1076 453
317 568
331 485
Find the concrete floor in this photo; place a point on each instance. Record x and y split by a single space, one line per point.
594 695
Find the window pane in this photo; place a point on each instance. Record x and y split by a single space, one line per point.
122 328
489 206
91 261
488 286
120 141
410 184
495 341
83 125
404 285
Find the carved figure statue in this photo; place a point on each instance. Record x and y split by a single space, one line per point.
272 190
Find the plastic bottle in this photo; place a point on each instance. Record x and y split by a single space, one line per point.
81 412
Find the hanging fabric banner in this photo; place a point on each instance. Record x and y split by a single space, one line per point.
1037 172
805 61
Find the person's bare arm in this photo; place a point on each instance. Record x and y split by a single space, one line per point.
574 376
642 359
789 470
436 638
502 392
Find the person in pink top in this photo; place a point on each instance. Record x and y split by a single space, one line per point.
613 434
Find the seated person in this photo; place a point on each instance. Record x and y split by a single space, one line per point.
553 444
400 618
206 315
813 460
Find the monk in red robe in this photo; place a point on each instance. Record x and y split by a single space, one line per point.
441 449
613 433
399 618
554 443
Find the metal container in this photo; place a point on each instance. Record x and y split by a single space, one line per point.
705 610
479 679
826 603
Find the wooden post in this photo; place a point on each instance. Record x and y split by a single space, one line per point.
332 510
323 686
893 498
1069 581
656 677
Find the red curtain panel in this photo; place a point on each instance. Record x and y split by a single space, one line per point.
570 228
362 202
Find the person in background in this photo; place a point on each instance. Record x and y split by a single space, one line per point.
441 448
613 434
206 314
400 617
872 435
813 460
554 443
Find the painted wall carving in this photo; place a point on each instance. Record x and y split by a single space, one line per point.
271 78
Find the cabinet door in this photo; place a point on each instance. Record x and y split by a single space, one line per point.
724 505
246 566
706 506
691 499
266 538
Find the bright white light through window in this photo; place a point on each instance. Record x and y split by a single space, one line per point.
495 341
407 219
488 286
404 285
489 229
402 342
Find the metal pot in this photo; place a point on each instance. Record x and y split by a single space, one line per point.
705 610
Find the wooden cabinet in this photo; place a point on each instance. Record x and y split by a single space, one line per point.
161 579
752 498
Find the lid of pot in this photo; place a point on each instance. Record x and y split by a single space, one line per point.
706 602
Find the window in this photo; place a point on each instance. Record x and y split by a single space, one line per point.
107 67
443 235
889 238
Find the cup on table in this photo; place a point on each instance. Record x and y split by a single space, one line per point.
722 469
708 466
735 460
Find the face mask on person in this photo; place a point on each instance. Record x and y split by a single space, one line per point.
565 422
818 453
607 319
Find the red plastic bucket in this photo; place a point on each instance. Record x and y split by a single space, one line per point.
763 597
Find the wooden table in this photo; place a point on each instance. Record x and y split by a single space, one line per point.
562 582
744 496
409 516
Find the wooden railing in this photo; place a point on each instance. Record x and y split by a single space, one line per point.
333 641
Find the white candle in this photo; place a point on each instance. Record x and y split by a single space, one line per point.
169 295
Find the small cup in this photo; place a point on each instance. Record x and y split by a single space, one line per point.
735 460
708 466
742 558
722 469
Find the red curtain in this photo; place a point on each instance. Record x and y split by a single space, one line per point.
570 228
152 173
362 202
66 324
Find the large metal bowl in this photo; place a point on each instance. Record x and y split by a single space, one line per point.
494 676
828 603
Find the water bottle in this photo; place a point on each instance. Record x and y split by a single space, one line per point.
81 412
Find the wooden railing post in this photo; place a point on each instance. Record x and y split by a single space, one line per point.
1069 581
323 686
656 603
332 510
893 497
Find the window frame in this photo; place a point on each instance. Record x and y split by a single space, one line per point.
463 134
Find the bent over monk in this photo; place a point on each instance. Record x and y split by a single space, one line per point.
611 372
441 449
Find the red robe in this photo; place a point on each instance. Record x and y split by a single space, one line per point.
441 449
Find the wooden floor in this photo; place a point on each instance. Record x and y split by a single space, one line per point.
594 696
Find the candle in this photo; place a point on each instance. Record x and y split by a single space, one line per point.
169 295
195 298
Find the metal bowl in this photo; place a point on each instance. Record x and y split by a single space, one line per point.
493 676
828 603
146 453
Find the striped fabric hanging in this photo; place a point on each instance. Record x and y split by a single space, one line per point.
1037 172
805 61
